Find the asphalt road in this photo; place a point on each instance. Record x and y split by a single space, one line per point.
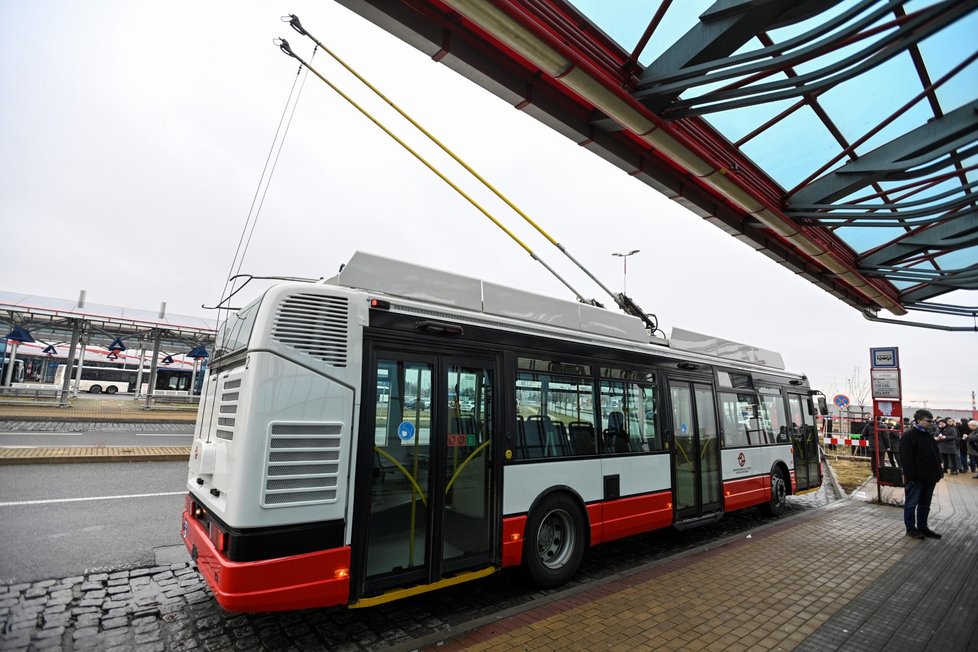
61 520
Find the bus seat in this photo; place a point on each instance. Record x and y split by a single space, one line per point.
582 437
562 439
542 437
615 435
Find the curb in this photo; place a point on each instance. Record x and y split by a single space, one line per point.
92 455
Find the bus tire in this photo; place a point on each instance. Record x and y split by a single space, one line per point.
779 492
95 389
111 389
555 540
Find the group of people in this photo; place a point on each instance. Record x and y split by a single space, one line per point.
958 445
928 450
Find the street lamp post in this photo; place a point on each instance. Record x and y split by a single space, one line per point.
624 261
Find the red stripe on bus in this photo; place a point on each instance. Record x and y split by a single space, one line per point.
315 579
635 514
738 494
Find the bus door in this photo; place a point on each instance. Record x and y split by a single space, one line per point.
427 506
696 454
804 442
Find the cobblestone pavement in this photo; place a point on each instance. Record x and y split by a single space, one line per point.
170 607
13 425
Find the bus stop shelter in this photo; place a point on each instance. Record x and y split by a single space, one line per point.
56 322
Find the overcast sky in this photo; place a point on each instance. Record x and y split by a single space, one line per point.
133 136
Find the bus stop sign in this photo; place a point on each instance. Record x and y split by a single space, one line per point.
841 400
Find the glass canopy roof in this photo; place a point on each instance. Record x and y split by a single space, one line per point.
837 137
803 136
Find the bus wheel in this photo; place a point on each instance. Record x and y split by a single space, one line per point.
554 544
779 492
111 389
95 389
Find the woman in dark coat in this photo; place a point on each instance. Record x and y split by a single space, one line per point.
947 444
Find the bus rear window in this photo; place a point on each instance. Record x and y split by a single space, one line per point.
236 330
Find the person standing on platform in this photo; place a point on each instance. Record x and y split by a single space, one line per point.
877 455
893 435
947 444
973 445
963 431
921 464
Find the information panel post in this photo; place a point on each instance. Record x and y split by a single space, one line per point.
887 413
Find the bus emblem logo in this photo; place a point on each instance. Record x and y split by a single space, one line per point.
742 459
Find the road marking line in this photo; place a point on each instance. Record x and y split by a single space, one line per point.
150 434
33 433
79 500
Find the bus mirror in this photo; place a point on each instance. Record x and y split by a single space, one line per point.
823 408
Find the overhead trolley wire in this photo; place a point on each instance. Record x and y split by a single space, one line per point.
248 230
626 304
286 48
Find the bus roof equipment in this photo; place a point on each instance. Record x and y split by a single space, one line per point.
374 273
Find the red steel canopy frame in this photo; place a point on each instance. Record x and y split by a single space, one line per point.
548 59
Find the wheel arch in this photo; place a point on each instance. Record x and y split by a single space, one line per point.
782 467
575 496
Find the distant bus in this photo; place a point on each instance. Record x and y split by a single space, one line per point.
17 375
113 380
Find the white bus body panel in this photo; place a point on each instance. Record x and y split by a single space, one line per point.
758 460
640 474
281 437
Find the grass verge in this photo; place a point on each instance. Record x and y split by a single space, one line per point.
851 473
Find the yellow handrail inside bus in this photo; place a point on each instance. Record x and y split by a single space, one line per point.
401 468
467 460
683 451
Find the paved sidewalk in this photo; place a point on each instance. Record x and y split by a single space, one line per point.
100 410
78 454
841 578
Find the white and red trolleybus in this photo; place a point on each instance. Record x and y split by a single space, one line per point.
397 429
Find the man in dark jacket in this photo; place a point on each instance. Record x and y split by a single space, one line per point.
921 464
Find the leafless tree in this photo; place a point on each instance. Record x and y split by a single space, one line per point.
857 387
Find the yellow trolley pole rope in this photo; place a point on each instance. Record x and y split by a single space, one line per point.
293 20
284 46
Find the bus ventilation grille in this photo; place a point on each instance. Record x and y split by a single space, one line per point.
315 325
303 464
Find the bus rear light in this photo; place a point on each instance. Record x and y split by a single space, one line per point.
380 304
341 573
218 537
515 536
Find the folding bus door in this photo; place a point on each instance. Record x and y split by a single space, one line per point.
426 488
696 454
804 442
